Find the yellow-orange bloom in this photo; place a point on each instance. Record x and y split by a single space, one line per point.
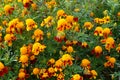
23 50
118 48
85 63
51 61
37 48
70 49
98 31
106 32
38 35
88 25
24 59
110 63
94 74
60 13
77 77
98 51
62 25
30 24
48 22
36 71
110 43
67 59
8 9
21 75
1 66
9 38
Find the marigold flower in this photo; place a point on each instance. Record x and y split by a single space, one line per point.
27 3
21 75
24 58
67 59
88 25
62 25
106 19
106 32
60 76
110 43
48 22
84 44
51 61
85 63
30 24
1 66
37 48
94 74
51 70
59 63
38 35
110 63
112 60
98 31
98 51
8 9
36 71
70 49
23 50
118 48
77 77
60 36
60 13
9 38
70 19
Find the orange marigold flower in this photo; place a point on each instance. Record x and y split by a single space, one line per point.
62 25
48 21
70 49
110 43
37 48
24 58
27 3
118 48
23 50
94 74
38 35
70 19
106 32
21 75
9 38
84 44
110 63
60 76
77 77
67 59
51 61
36 71
30 24
60 13
88 25
98 51
8 9
85 63
1 66
98 31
